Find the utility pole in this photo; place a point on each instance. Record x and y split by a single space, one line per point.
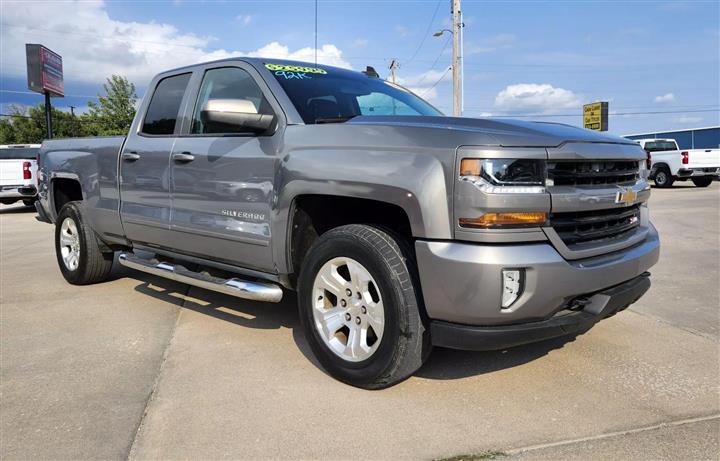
455 5
394 65
48 115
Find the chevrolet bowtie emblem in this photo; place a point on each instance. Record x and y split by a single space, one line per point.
626 196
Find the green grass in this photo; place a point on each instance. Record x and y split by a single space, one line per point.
489 454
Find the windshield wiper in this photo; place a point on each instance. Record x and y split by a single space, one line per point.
334 119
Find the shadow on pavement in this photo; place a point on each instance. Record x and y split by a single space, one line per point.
10 209
443 364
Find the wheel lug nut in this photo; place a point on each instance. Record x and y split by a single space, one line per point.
363 310
343 303
347 317
348 292
357 320
359 295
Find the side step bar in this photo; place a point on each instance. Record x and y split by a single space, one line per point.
256 291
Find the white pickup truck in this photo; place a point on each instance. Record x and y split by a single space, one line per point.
18 173
668 163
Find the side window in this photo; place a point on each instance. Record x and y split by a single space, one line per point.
227 83
383 104
164 106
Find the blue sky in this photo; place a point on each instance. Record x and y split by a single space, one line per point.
526 58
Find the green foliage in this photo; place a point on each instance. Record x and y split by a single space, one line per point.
112 114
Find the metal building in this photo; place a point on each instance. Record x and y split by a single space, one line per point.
691 138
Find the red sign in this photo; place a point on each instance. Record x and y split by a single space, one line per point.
45 70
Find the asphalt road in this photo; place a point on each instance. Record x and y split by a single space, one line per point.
144 368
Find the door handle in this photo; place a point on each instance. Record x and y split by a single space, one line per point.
130 156
183 157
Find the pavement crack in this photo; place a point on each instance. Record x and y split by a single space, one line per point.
156 381
608 435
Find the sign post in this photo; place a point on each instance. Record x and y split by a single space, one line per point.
45 75
595 116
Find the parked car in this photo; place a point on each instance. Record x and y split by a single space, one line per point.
399 232
18 173
668 163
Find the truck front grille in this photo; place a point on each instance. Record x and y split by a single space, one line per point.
595 226
593 172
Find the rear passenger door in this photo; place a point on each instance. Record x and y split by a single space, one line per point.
145 164
223 177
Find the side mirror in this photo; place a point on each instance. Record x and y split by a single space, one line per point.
236 113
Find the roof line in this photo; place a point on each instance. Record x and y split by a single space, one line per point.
673 131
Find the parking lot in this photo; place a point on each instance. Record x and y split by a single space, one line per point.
145 368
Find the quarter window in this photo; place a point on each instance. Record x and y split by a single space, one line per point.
164 107
227 83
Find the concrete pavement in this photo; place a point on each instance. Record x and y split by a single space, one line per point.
144 368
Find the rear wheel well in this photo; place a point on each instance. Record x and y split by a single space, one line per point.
65 190
313 215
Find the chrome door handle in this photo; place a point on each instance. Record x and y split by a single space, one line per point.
183 157
130 156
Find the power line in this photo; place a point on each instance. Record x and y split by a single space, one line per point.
425 35
432 67
438 81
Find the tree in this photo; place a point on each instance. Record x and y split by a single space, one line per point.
113 113
27 126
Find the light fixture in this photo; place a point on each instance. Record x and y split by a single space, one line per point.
512 286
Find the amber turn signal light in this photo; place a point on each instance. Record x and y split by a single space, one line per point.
491 220
470 167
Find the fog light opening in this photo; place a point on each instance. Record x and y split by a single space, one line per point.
512 286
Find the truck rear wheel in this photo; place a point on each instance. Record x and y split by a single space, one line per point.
359 307
76 247
663 178
702 181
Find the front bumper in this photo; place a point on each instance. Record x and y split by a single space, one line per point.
599 306
462 282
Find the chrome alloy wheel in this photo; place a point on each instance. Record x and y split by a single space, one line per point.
347 309
70 244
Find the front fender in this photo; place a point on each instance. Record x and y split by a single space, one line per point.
413 181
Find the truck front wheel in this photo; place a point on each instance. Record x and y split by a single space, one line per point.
78 253
663 178
359 307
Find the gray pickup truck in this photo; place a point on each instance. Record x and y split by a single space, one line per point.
399 228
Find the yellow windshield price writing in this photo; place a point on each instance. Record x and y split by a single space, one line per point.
289 68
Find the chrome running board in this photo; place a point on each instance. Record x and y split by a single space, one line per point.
256 291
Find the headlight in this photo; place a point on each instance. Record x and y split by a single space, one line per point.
501 176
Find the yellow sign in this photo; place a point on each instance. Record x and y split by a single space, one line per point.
595 116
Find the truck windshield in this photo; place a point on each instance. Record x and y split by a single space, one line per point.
659 146
331 95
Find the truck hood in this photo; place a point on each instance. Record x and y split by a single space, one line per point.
501 132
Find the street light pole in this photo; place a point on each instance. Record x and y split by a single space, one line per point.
455 67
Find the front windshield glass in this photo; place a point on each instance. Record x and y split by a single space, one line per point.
659 146
326 95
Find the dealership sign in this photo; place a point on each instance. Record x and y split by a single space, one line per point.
44 70
595 116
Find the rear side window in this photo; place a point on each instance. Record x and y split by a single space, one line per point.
164 106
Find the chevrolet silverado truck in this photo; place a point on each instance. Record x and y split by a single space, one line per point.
668 163
18 173
398 227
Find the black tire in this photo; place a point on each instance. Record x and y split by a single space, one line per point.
93 265
404 344
702 181
7 202
30 202
663 178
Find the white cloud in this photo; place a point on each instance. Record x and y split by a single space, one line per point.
425 84
95 46
689 119
402 31
360 43
536 98
490 44
244 19
667 97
